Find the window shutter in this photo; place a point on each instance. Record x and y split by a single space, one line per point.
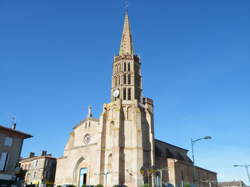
3 161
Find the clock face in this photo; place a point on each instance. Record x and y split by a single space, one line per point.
116 93
86 139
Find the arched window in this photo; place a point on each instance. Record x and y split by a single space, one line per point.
124 94
129 79
129 94
128 67
124 79
124 67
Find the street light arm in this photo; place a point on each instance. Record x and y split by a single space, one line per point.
196 140
242 165
204 138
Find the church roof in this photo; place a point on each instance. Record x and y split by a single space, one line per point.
86 119
167 150
126 47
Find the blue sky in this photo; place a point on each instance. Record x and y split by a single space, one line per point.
56 58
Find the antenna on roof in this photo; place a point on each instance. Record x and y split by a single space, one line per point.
13 122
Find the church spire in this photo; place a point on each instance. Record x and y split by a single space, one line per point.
126 76
126 47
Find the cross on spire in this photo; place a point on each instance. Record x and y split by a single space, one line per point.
89 112
126 5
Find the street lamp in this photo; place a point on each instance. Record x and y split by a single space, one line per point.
196 140
105 175
193 141
246 167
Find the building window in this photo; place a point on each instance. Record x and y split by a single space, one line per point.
129 94
3 161
124 67
124 94
34 175
8 141
124 79
128 67
28 176
129 79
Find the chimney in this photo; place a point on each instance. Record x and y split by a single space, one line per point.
44 153
31 154
13 126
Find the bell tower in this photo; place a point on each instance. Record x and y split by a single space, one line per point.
127 122
126 76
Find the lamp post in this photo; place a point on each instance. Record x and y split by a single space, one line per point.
246 167
193 141
105 174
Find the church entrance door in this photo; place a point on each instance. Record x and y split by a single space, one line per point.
83 176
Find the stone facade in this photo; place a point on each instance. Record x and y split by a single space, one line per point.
39 169
119 147
112 149
11 142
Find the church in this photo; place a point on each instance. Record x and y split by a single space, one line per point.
119 147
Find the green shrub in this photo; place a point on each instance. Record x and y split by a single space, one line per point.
187 185
84 185
146 185
99 185
58 186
